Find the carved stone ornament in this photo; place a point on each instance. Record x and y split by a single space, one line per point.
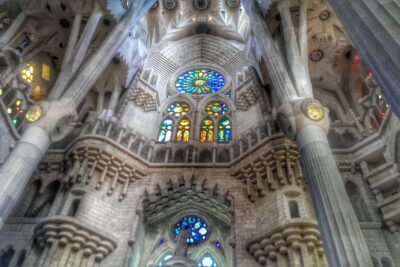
233 3
313 109
169 4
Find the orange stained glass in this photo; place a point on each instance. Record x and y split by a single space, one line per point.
183 133
207 131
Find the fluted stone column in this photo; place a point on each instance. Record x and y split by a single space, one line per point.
339 226
58 116
344 242
21 163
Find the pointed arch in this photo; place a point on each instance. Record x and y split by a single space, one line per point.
166 129
183 130
224 130
207 130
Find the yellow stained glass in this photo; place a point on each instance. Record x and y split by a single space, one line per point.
183 133
46 72
207 131
27 73
34 113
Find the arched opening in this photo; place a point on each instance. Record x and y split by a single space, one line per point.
6 257
294 209
205 156
31 192
179 156
73 209
183 131
224 156
41 205
160 156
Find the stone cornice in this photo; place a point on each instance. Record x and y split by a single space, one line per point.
290 235
66 230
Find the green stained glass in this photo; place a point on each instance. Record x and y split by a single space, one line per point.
217 108
200 82
224 131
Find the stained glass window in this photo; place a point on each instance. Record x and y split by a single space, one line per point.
217 108
46 72
207 131
27 73
164 258
195 226
183 132
207 261
178 109
224 131
200 82
166 130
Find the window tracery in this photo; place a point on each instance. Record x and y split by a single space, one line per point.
196 227
224 130
178 109
207 131
207 261
200 82
183 133
166 130
217 108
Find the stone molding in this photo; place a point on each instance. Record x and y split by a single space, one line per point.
275 166
177 195
292 235
65 230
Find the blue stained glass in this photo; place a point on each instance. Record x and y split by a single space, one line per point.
162 261
224 131
200 82
166 131
207 261
195 226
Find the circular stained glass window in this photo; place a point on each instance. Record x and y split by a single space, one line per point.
178 109
195 226
217 108
200 82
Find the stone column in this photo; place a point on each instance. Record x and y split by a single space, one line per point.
12 30
19 167
58 116
343 240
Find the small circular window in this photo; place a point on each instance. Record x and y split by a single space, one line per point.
196 228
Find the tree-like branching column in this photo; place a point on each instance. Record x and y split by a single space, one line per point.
56 118
304 119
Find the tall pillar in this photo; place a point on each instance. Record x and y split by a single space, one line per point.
344 242
19 167
58 116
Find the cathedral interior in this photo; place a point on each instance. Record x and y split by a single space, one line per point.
199 133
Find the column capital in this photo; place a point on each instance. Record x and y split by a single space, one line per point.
292 117
57 118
